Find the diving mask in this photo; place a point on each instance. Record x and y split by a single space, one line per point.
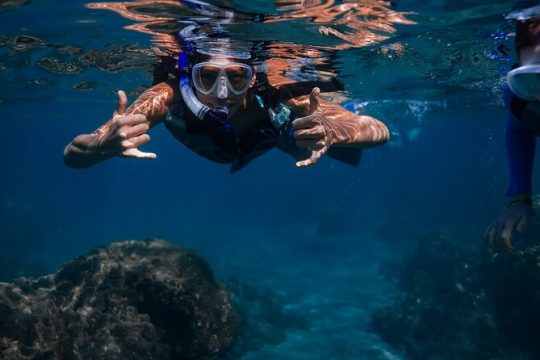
524 82
219 79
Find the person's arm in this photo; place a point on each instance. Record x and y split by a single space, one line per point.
520 148
324 124
125 132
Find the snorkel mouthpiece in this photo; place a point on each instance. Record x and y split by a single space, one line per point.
221 112
218 118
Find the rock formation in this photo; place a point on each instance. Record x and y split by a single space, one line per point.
462 303
132 300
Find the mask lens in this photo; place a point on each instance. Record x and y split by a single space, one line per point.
239 77
205 77
525 82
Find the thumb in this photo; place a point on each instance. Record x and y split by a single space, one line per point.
122 103
314 100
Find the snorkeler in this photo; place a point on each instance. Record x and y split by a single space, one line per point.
221 106
522 99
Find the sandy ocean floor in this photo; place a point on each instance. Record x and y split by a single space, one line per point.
333 288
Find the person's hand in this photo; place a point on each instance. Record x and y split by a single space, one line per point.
313 131
125 133
514 219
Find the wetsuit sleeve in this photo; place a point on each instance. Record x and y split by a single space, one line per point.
520 148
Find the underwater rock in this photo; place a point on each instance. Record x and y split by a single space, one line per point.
118 59
433 264
38 82
26 42
12 4
3 40
55 66
131 300
513 286
69 50
84 86
445 312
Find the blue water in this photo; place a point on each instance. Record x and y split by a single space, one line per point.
315 236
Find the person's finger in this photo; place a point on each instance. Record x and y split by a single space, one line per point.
130 120
316 132
497 230
133 131
504 239
136 141
122 103
315 156
136 153
314 100
305 122
304 163
125 123
507 245
319 145
310 144
522 224
488 234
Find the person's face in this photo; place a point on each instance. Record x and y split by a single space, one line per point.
530 55
222 94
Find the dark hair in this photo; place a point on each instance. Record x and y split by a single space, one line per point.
527 33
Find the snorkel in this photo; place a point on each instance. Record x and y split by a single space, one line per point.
216 116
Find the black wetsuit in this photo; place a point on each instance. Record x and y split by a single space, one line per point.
520 144
211 142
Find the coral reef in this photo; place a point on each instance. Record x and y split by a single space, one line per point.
263 319
12 4
65 59
461 303
132 300
513 285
